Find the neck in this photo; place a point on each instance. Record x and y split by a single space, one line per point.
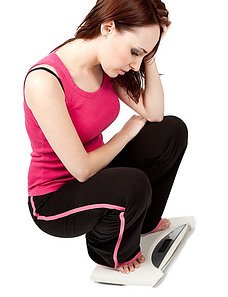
81 55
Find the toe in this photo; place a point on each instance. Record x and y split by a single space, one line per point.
121 269
141 259
136 264
167 223
126 269
162 225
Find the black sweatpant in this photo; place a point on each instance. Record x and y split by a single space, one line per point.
123 200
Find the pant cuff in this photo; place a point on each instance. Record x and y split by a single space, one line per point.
130 261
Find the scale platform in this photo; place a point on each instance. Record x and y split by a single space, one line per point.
158 248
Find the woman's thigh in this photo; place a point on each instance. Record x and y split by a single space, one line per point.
75 208
154 144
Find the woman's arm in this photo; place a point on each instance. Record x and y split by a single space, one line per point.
48 106
151 100
153 95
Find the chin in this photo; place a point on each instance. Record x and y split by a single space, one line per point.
114 75
111 73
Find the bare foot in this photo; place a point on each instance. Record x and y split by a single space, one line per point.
132 266
162 225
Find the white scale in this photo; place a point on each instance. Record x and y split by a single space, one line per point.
158 249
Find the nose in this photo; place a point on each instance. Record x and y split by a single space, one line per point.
135 66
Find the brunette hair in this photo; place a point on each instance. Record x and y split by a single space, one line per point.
127 15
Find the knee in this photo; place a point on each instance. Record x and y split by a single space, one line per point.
140 188
179 129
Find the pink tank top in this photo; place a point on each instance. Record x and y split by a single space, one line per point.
91 113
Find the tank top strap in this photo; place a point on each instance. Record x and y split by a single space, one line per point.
50 71
54 62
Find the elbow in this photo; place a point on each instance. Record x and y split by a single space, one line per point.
82 173
81 180
81 176
155 119
160 119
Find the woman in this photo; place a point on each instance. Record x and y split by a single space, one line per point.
113 192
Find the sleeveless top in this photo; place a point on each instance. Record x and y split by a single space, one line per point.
90 112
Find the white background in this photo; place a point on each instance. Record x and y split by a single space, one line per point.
193 58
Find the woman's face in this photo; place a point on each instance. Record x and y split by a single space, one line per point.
125 50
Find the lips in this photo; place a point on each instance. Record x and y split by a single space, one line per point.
122 72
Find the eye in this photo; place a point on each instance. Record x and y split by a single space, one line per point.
134 53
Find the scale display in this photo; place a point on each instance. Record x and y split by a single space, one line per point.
164 246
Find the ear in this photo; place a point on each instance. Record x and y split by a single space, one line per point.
107 28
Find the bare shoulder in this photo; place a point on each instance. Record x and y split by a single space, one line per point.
41 82
39 75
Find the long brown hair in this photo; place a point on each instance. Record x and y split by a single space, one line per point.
127 15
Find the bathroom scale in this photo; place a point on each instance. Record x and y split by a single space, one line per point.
158 248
